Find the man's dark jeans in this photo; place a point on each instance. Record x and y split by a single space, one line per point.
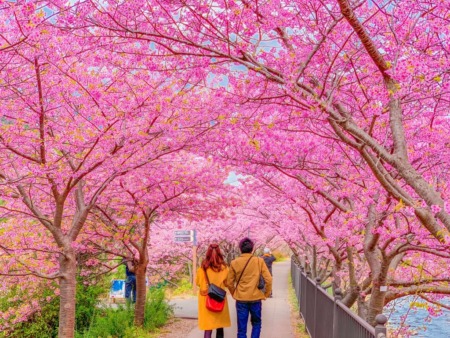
242 310
130 288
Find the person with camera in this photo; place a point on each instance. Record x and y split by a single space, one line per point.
130 281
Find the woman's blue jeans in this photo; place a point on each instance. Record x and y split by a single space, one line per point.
243 309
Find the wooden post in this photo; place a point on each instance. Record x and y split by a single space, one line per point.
194 262
194 267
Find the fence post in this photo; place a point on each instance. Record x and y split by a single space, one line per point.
337 297
299 276
308 274
300 273
380 328
316 291
292 273
292 266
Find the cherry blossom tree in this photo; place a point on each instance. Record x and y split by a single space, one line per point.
74 119
370 76
180 186
338 108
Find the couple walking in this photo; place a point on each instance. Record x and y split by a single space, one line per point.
244 281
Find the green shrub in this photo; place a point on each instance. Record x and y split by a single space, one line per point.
157 310
109 322
118 323
87 300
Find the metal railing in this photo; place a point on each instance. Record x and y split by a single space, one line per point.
326 317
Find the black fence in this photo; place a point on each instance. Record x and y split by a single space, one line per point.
328 317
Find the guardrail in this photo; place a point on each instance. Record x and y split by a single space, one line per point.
326 317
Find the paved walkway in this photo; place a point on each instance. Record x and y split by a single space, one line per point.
275 315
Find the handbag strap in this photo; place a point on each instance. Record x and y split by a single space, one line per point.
237 284
206 274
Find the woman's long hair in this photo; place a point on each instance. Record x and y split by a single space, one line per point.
214 259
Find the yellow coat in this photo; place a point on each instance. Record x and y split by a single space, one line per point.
248 286
208 320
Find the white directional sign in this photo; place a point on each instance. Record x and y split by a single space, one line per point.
184 235
183 239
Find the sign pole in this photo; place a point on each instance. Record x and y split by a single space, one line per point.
194 262
189 236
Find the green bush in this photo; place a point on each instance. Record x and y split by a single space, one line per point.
118 323
87 299
157 310
109 322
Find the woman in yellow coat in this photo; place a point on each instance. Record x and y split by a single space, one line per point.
217 271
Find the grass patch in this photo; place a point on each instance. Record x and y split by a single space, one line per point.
296 320
302 329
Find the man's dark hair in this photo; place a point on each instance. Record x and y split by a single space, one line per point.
246 245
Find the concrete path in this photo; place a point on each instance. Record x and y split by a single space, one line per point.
275 315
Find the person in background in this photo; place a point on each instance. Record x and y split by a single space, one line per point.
242 281
269 259
130 281
214 265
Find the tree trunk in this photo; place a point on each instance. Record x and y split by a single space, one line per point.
141 294
314 273
351 296
376 303
362 308
67 287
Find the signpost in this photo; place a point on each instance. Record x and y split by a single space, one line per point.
189 236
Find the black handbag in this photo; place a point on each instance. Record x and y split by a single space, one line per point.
215 292
262 282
